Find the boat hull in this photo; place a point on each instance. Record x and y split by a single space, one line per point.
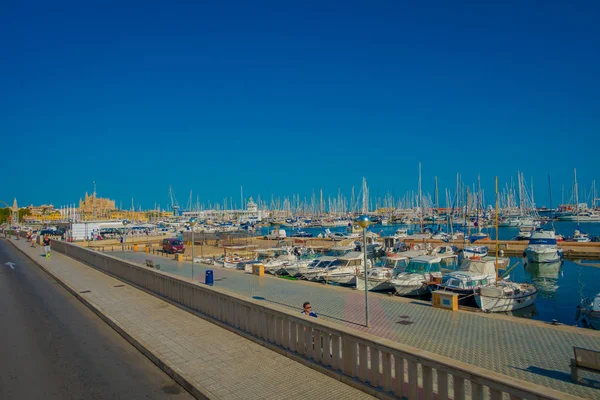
542 256
411 290
504 303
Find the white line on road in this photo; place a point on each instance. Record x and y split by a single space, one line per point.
10 264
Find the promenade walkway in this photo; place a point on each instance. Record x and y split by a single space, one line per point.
517 347
218 363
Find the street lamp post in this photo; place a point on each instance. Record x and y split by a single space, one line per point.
125 222
192 223
364 223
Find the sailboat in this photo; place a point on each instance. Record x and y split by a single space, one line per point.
504 295
578 236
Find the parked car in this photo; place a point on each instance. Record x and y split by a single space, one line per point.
173 246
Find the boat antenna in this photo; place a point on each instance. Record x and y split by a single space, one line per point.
550 192
496 216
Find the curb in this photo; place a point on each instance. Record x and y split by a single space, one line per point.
195 391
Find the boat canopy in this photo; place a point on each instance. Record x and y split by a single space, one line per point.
486 267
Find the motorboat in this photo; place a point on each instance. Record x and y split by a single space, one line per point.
345 269
380 276
401 233
413 281
475 252
314 269
525 232
579 237
273 259
446 253
472 275
588 313
542 247
504 295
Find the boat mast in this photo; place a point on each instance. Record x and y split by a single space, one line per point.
576 197
420 200
496 230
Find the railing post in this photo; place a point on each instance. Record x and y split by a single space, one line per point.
286 333
317 345
459 387
326 345
301 341
495 394
364 366
335 351
374 375
442 378
476 391
348 356
386 373
278 330
399 375
293 335
309 341
413 383
427 382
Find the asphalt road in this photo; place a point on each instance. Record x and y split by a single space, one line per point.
53 347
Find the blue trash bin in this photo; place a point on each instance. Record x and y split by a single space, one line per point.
210 279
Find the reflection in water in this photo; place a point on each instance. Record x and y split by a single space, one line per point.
527 312
545 277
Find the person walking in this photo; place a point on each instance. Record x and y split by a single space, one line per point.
47 246
33 239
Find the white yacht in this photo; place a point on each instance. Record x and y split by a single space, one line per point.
472 275
581 216
525 232
542 247
315 268
504 295
379 277
475 252
580 237
413 281
345 269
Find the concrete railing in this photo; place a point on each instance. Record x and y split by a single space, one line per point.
363 360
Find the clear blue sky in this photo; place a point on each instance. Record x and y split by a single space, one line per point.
283 97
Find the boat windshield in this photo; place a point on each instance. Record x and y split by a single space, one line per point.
337 252
542 241
391 263
422 267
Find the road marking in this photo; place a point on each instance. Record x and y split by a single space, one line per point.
10 264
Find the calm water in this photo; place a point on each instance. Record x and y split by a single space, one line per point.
561 285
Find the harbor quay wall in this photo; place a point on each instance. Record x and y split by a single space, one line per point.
378 366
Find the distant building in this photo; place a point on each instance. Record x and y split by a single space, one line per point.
99 206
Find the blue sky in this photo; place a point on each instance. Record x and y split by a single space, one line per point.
283 98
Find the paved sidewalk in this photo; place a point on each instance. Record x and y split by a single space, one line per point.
221 364
517 347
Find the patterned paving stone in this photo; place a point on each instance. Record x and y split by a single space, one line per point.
223 363
520 348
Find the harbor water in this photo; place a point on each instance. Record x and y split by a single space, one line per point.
561 286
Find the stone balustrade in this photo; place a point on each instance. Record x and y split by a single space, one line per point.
382 367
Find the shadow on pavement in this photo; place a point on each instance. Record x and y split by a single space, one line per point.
299 308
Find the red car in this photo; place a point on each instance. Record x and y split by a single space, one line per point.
173 246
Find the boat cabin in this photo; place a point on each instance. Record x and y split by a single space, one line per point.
423 265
